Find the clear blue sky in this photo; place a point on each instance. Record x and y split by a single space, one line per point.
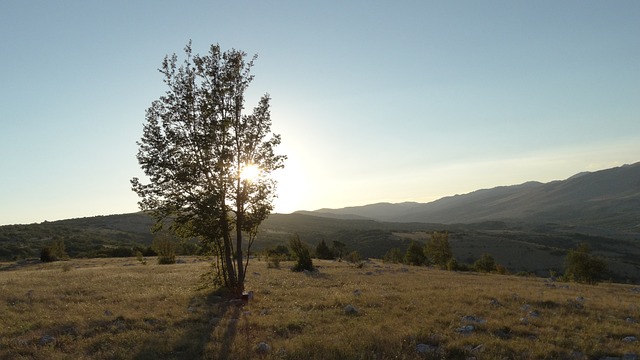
375 100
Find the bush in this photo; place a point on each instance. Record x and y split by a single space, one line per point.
273 261
301 252
393 256
165 245
353 257
46 255
486 263
415 255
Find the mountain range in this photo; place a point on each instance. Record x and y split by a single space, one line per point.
604 202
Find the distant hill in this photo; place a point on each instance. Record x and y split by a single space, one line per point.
608 200
527 227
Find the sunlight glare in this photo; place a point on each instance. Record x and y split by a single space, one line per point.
250 172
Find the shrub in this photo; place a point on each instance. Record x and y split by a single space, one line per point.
273 261
486 263
165 245
353 257
415 255
393 256
46 255
301 252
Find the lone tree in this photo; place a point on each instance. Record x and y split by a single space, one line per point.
209 165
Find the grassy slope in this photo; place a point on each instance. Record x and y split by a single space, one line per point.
102 309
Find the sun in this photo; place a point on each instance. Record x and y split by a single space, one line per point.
250 172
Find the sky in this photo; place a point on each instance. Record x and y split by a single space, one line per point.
376 101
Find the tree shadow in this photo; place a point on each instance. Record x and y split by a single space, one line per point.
209 331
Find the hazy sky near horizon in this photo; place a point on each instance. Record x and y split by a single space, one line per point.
376 101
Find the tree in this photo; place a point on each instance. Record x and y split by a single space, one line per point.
323 251
438 250
583 267
394 255
197 149
338 249
301 251
165 245
415 254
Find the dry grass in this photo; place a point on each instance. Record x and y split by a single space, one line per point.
121 309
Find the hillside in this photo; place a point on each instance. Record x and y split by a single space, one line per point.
607 201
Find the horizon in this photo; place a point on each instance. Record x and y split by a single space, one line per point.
343 207
375 101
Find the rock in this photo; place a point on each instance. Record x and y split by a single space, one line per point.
191 309
525 307
263 348
181 261
468 329
426 348
107 313
534 314
580 299
46 340
636 290
351 310
495 302
630 339
524 321
357 292
631 320
630 356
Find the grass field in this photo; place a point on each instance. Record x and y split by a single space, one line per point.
122 309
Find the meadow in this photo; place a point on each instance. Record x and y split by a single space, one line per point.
123 309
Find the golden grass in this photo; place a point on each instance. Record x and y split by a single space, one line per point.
121 309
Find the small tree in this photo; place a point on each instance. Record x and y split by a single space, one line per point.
323 251
353 257
583 267
208 162
338 249
301 252
393 256
415 255
438 250
486 263
165 246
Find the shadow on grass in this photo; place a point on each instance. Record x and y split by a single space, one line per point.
208 332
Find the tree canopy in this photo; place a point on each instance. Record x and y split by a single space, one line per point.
196 145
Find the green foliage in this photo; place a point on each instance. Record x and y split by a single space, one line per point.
54 252
415 255
583 267
195 145
165 244
394 256
486 263
323 251
353 257
438 250
338 249
301 252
